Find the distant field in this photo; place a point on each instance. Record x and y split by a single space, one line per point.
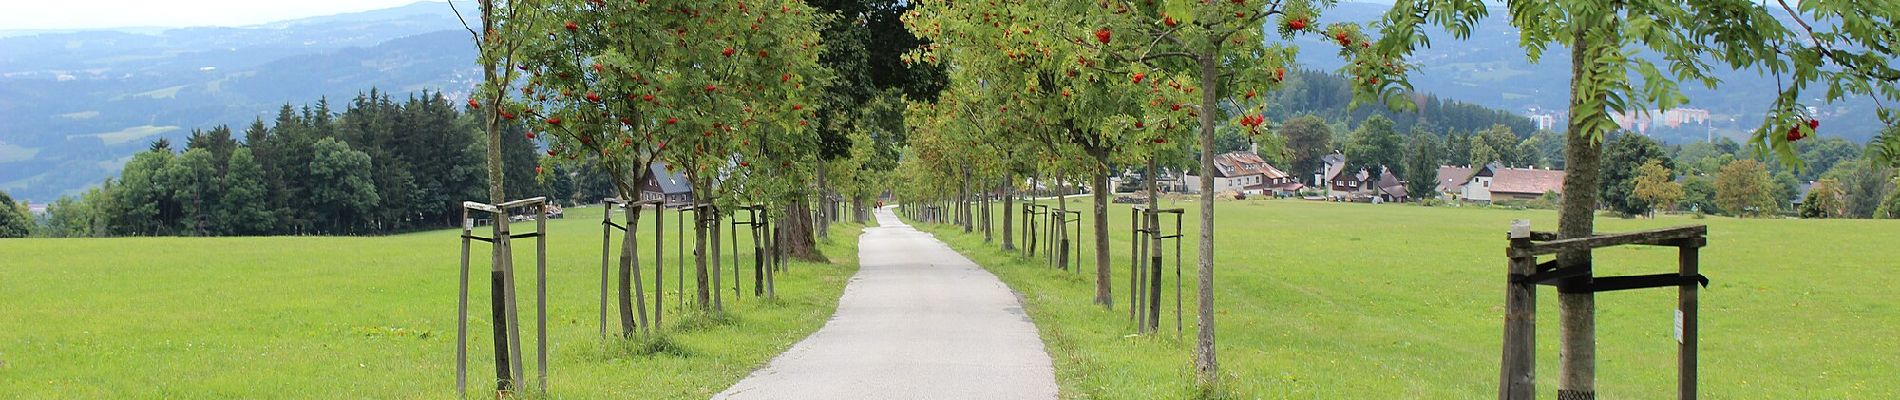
1358 301
11 153
131 134
371 317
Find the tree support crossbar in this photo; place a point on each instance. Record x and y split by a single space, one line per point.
1517 378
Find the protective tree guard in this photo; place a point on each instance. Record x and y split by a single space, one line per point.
756 222
1518 378
508 368
1146 270
639 308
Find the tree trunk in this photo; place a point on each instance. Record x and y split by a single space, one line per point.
1576 306
1009 213
632 297
857 209
795 236
987 209
702 286
1060 228
1103 293
1029 219
659 262
824 203
1205 364
498 255
963 201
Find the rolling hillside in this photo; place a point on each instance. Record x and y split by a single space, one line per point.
74 105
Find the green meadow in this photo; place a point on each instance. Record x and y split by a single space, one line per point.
366 317
1360 301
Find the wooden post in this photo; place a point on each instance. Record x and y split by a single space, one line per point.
1134 261
606 246
736 279
1177 272
541 296
1141 271
461 315
765 234
712 223
1518 369
1078 234
659 261
1687 263
680 281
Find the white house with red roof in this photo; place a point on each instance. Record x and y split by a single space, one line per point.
1495 182
1246 172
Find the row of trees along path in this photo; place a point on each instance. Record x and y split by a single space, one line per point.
1053 92
1075 89
716 92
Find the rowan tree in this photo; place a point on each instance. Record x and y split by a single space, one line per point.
1613 42
712 90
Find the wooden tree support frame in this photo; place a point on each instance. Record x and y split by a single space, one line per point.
1517 379
508 369
758 221
679 229
1033 226
1145 269
607 226
1059 238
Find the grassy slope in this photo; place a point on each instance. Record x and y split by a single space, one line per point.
324 317
1326 300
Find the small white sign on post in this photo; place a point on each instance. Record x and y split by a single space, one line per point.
1678 326
469 223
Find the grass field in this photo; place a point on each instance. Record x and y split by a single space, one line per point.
1359 301
372 317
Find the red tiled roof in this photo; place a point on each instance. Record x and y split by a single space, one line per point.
1239 163
1526 181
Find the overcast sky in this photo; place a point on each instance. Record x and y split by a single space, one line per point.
40 14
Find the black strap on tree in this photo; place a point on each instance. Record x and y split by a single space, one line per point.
1577 279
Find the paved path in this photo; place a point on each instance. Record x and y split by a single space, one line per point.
919 321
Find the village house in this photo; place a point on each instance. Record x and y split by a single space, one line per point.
1245 172
1495 182
1389 188
664 184
1331 176
1451 181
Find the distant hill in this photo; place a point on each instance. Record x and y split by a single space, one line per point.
74 105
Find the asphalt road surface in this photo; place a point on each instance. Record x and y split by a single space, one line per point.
918 321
